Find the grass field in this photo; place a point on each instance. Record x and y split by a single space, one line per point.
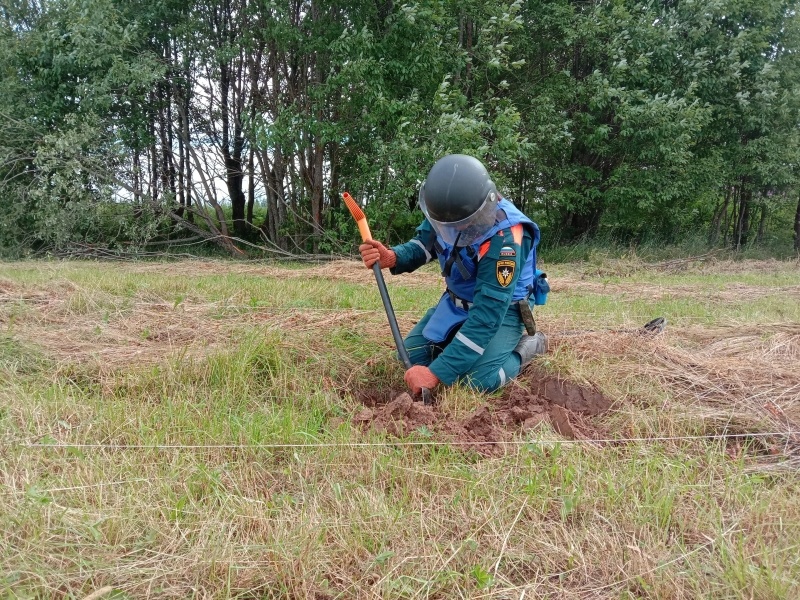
190 430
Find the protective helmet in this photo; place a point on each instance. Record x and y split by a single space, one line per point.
459 199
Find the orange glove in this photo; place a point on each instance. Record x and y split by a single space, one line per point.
418 377
373 251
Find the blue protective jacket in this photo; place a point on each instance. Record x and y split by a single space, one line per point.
461 278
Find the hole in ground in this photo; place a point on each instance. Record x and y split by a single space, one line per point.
542 397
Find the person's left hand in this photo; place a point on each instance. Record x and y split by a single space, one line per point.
418 377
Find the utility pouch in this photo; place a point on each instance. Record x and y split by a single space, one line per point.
445 318
540 288
527 316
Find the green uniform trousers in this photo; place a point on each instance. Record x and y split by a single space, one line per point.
494 368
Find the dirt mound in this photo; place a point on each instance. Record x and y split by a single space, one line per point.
539 398
399 417
544 390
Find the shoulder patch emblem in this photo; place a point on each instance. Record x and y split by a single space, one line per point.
508 251
505 271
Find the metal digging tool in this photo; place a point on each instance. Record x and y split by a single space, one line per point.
363 228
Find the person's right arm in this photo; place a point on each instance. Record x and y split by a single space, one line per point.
405 257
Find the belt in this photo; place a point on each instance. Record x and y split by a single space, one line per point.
515 304
459 302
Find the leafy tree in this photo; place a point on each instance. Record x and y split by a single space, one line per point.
67 67
242 121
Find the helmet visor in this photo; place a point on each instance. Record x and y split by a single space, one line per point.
467 230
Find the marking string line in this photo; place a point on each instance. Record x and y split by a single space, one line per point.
289 445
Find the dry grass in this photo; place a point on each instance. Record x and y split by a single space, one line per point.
182 377
730 292
349 271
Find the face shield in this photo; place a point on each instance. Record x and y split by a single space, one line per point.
468 230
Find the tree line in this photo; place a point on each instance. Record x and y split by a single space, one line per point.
147 123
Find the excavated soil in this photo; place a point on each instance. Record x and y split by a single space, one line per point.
540 398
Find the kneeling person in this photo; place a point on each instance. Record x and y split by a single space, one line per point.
486 249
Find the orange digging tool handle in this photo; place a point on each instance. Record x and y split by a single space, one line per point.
363 228
359 216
